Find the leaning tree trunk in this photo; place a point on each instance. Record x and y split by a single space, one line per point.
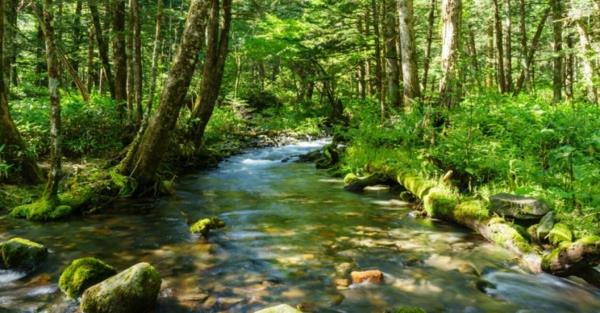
155 52
51 192
102 46
410 75
214 65
391 55
450 87
119 54
15 150
149 147
587 64
557 77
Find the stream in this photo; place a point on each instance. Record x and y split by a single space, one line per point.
288 227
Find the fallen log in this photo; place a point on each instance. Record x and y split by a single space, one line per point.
353 183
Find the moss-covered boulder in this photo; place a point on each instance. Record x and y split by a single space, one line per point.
282 308
560 233
518 207
409 310
545 226
82 274
204 225
21 254
134 290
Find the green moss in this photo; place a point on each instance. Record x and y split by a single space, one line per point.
82 274
440 203
204 226
409 310
473 209
507 236
350 178
589 240
560 233
126 185
415 184
19 253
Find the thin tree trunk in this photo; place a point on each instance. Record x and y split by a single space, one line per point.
378 64
474 60
410 76
217 50
491 52
91 71
362 67
148 149
527 70
119 54
14 148
558 78
500 48
137 60
570 68
587 65
77 36
155 52
430 29
508 46
10 45
391 55
450 87
102 46
523 33
54 175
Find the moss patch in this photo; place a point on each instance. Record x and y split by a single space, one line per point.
204 226
415 184
473 209
440 203
409 310
82 274
23 254
560 233
507 236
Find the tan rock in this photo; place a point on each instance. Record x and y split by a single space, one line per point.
373 276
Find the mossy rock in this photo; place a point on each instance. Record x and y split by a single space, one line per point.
68 204
545 226
21 254
282 308
440 203
134 290
518 207
410 310
350 178
204 226
82 274
560 233
506 235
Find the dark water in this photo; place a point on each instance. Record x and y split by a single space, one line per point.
289 226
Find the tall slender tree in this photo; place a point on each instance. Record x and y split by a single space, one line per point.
450 86
119 54
501 69
557 22
155 55
410 77
391 53
137 59
102 46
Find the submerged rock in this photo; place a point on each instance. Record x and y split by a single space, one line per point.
282 308
204 226
82 274
373 276
518 207
21 254
409 310
134 290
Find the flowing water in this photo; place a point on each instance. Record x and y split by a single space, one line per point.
288 227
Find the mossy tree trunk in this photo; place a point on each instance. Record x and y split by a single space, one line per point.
149 147
214 65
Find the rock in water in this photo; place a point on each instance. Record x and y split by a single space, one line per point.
374 276
518 207
409 310
204 226
82 274
134 290
21 254
283 308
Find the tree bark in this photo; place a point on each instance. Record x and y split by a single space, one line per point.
523 33
102 46
10 45
148 149
502 85
54 175
450 87
91 70
137 60
491 52
557 77
391 55
535 42
410 76
14 148
587 64
430 28
214 65
155 52
378 64
508 46
119 54
570 68
362 66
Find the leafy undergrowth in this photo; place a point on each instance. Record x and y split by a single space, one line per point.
492 143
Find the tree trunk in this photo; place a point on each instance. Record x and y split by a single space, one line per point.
391 55
410 76
137 60
523 33
102 46
526 71
149 147
91 69
500 48
77 35
474 60
430 29
378 64
119 54
54 175
587 64
10 45
450 87
14 148
155 52
570 68
558 78
214 65
491 52
362 67
508 46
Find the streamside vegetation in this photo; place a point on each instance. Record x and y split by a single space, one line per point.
485 112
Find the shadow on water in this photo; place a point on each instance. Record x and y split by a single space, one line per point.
288 228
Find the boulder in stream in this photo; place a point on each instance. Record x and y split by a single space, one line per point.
282 308
134 290
518 207
373 276
204 225
82 274
21 254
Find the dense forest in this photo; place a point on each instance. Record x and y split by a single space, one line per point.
480 115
